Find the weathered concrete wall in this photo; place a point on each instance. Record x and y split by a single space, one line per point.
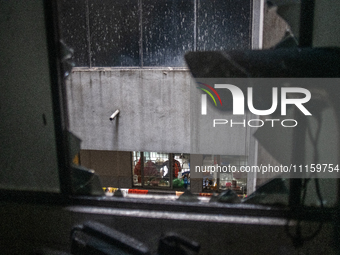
153 108
156 108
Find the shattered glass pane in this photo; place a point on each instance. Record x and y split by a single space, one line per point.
168 32
114 29
152 33
74 31
224 25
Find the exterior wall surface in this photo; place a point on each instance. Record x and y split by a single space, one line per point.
156 112
153 107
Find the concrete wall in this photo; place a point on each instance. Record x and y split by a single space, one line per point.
153 108
157 113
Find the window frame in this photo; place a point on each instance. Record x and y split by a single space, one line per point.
66 196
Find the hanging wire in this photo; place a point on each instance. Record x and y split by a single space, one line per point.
316 154
297 237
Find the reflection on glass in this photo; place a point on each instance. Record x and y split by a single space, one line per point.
236 181
230 178
276 192
209 177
